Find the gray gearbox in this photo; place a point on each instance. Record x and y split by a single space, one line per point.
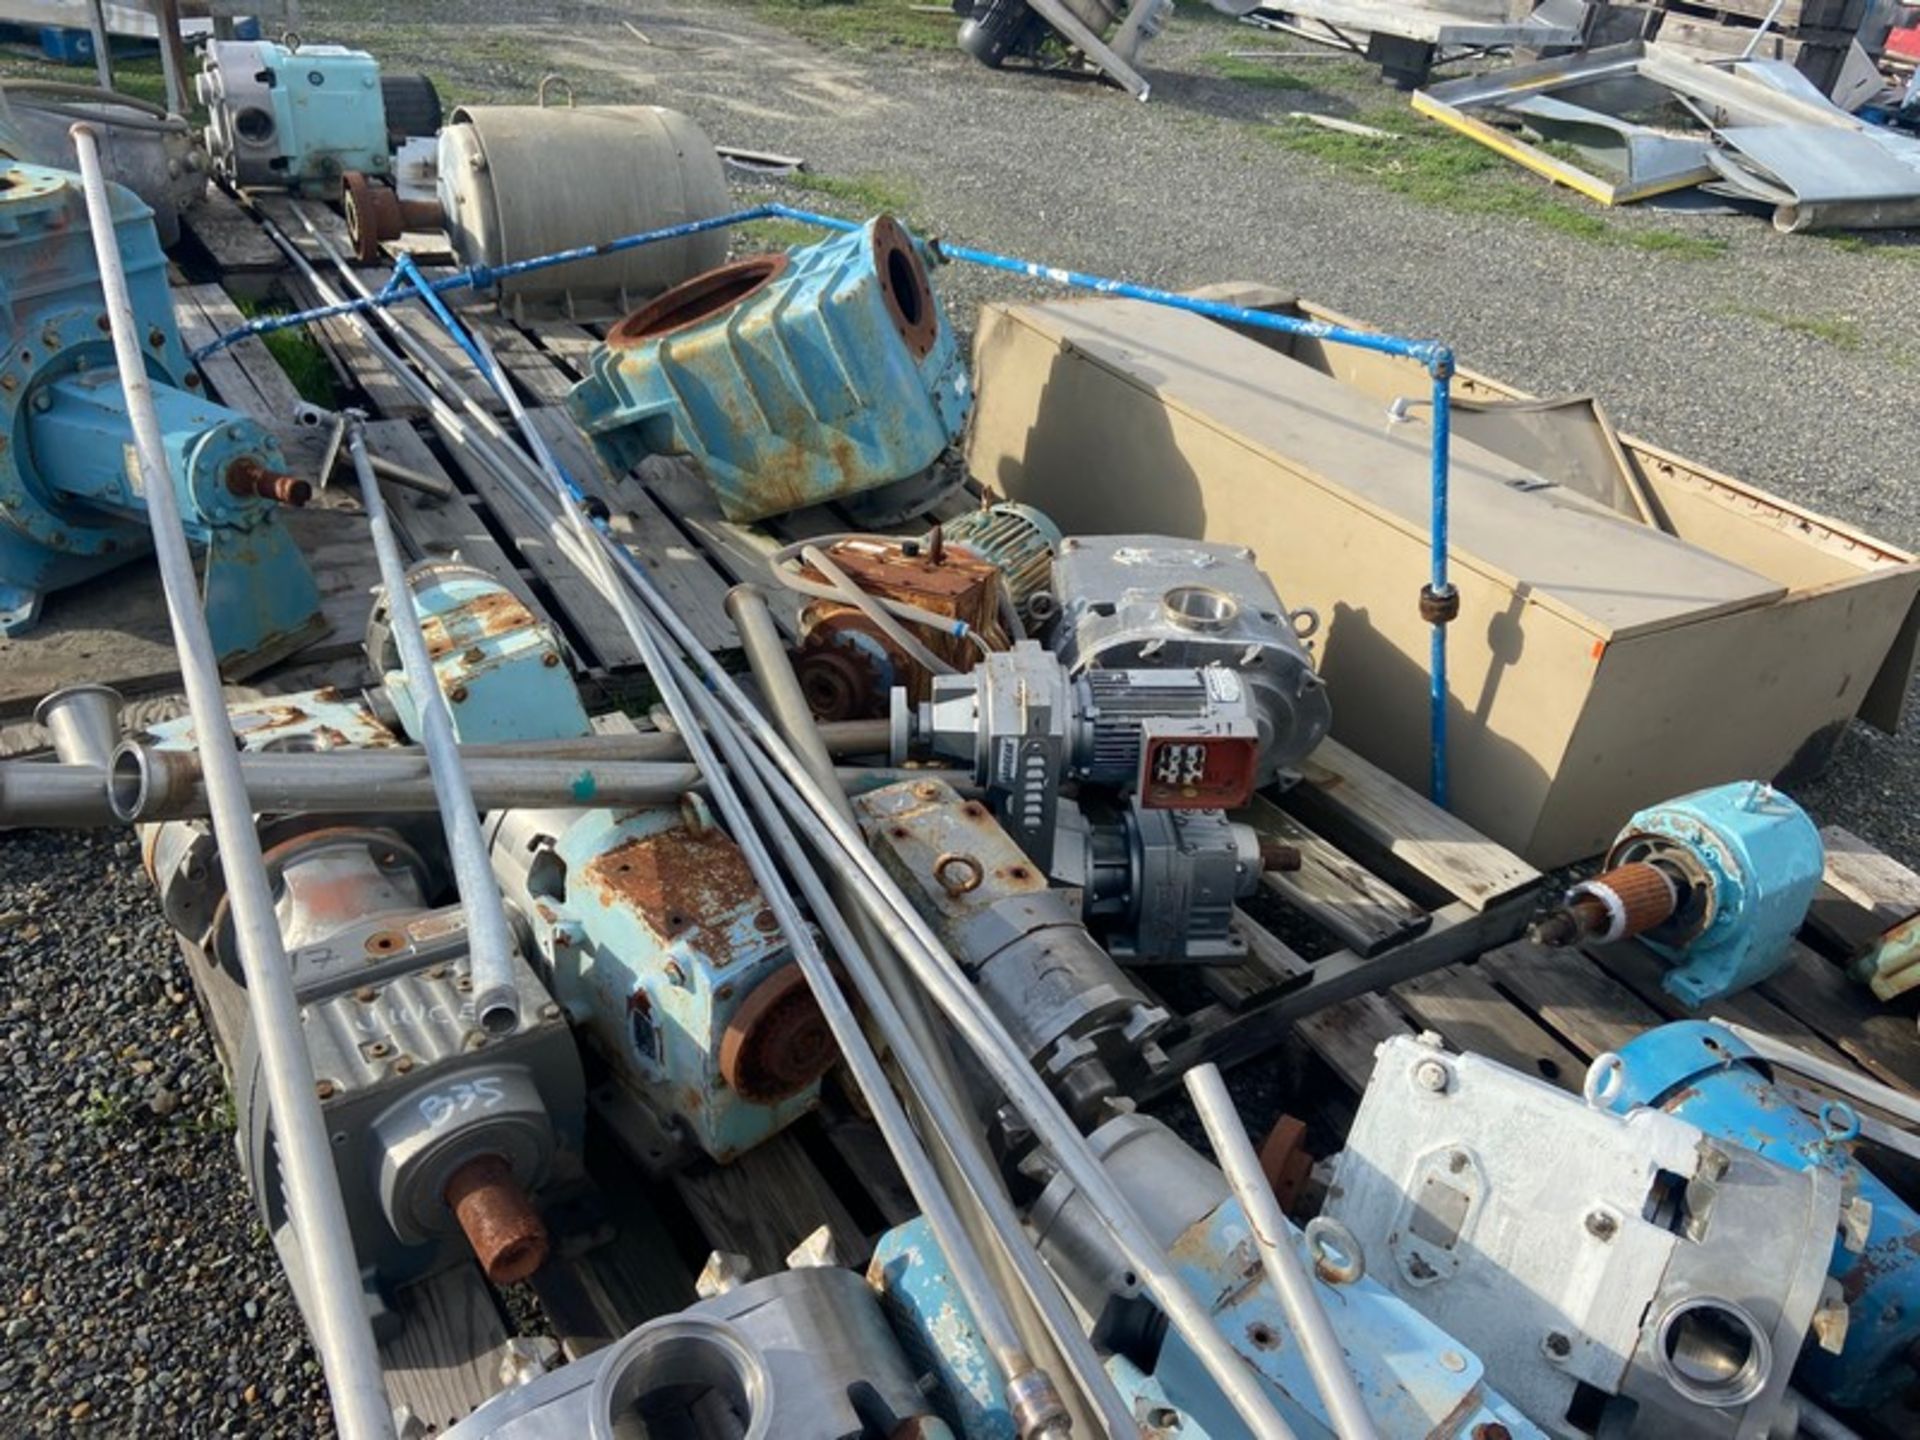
1138 601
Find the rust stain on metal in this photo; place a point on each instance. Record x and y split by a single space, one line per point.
681 884
497 612
777 1043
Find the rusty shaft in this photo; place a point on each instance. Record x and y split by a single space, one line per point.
248 477
509 1238
1616 904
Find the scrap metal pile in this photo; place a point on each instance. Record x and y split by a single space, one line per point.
462 917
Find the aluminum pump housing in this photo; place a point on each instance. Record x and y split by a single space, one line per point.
1609 1268
791 379
299 118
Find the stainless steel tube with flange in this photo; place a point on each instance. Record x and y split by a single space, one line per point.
342 1334
83 721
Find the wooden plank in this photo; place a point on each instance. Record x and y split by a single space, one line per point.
1882 1041
1345 789
684 575
1579 1000
571 345
1876 882
1362 910
1347 1034
1270 963
1470 1015
229 235
447 1356
1641 971
533 369
589 622
743 553
765 1203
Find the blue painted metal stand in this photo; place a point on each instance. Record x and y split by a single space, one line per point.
1439 602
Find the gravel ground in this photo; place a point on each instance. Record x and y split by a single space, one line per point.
138 1296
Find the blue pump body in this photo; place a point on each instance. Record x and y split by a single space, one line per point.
1710 1078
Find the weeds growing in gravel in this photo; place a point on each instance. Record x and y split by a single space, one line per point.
1453 173
1840 331
874 194
864 23
104 1110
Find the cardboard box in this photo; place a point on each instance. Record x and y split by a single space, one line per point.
1598 663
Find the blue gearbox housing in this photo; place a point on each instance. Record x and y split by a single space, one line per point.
661 947
498 665
791 378
1745 862
1710 1078
71 494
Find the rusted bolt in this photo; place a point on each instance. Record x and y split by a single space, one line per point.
193 381
675 975
325 1089
156 337
104 325
464 984
403 1065
379 1050
474 655
766 922
549 1011
1601 1225
499 1221
550 659
725 992
438 972
366 994
926 790
457 694
476 1040
385 942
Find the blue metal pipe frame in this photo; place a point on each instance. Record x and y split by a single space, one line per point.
1439 602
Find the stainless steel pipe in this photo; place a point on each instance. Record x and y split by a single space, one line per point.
60 797
490 945
1047 1324
342 1334
1306 1316
83 722
146 785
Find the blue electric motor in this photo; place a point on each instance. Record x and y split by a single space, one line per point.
71 503
1709 1078
792 378
1717 881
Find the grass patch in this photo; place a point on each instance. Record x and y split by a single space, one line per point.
1451 172
775 235
1839 331
874 194
862 24
300 355
141 78
104 1110
1259 73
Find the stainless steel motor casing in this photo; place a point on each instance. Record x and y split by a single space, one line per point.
1070 1008
789 1354
1130 601
518 181
1586 1255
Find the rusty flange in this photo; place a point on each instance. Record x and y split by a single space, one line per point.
777 1042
